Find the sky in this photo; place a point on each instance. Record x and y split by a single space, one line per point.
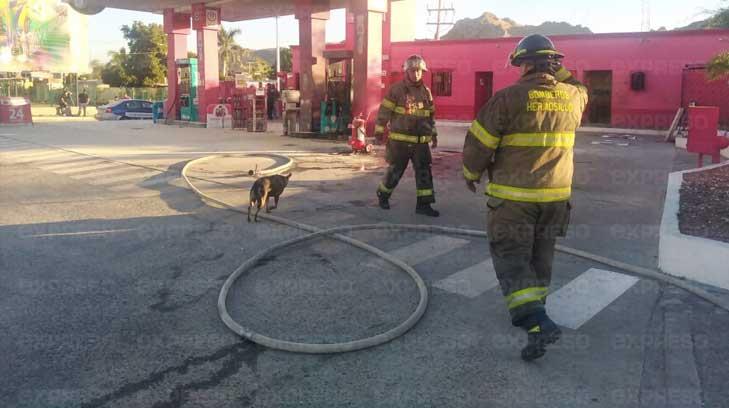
601 17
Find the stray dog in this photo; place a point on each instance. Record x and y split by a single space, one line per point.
263 188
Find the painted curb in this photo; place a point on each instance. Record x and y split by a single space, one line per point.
700 259
681 143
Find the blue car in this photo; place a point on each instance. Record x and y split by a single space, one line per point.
125 109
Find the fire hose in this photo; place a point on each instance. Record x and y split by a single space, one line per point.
417 314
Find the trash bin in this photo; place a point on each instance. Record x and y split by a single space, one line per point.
158 111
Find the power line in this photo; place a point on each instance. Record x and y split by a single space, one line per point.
444 16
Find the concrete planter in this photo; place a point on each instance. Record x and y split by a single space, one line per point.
700 259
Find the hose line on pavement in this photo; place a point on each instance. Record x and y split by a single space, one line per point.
402 328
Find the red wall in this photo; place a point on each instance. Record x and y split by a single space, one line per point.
661 55
697 88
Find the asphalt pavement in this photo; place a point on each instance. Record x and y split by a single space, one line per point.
111 269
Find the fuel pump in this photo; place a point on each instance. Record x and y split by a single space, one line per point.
187 99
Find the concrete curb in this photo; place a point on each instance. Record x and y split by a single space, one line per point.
700 259
681 143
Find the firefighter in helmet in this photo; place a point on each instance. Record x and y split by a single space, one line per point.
523 139
408 108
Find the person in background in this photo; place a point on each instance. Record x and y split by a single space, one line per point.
271 99
83 101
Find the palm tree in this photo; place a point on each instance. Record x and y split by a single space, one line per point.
228 50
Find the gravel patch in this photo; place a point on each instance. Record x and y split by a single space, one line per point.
705 204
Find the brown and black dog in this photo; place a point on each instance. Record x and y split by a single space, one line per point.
263 188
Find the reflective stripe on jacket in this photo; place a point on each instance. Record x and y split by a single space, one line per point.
524 136
410 111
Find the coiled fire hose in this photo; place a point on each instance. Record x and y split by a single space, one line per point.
402 328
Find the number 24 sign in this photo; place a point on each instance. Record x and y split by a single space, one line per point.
17 115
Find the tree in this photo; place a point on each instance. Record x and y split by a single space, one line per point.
719 20
286 60
147 59
259 70
718 67
114 72
96 69
228 50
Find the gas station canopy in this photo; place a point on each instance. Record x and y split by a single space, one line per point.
368 41
230 10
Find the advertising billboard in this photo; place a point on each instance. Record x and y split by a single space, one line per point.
42 35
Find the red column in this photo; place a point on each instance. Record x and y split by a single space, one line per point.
312 65
387 63
206 21
177 28
367 81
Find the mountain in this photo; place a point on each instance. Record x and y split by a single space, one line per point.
491 26
266 54
720 19
696 25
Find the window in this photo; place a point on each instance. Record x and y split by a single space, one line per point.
146 105
133 105
442 82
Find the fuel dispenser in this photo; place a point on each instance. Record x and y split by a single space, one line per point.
187 99
336 107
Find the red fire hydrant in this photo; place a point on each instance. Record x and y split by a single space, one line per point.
358 139
703 135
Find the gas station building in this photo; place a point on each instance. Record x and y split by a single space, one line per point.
636 80
370 37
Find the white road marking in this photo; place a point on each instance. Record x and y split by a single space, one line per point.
69 163
143 185
85 169
37 157
141 174
107 172
79 233
585 296
424 250
472 281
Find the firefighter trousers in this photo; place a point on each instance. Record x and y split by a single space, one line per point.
522 238
398 154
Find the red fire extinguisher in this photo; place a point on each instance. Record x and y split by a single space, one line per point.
358 139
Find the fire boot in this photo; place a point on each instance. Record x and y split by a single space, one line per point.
426 209
384 199
541 331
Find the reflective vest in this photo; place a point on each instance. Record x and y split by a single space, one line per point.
410 111
524 138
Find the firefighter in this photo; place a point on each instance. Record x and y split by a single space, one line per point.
408 108
523 139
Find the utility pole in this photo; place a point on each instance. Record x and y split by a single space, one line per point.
645 22
440 12
278 58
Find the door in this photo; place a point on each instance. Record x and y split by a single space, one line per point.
146 110
484 90
600 89
133 109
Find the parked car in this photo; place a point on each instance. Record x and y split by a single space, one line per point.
125 109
